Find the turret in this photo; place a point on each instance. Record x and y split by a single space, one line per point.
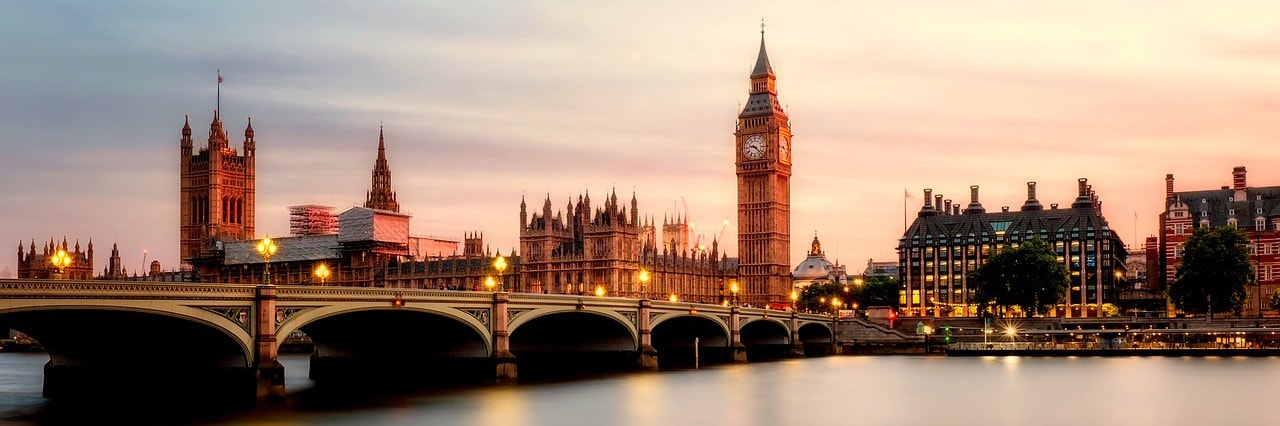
186 142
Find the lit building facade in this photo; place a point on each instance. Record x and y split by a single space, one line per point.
217 193
1254 210
945 243
763 164
38 265
577 250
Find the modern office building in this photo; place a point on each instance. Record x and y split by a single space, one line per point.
946 242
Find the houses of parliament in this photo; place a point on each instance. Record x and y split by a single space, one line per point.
606 247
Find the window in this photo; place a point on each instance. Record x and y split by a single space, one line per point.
1178 250
1231 212
1259 224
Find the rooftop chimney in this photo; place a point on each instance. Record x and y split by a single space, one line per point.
947 203
1082 198
1237 178
937 203
1168 186
927 209
974 205
1032 203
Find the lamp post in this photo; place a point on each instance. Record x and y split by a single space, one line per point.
733 288
599 291
794 296
322 272
266 248
673 298
835 306
501 265
489 282
644 282
60 260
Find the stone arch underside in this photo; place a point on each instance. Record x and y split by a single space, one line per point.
106 352
413 348
816 338
572 342
674 339
766 339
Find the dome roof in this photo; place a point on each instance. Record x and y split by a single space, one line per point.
813 267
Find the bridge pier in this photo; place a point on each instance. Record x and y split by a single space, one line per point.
647 357
737 350
504 361
268 373
797 347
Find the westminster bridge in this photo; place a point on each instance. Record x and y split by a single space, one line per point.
105 336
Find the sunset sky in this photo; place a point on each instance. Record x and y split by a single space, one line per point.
486 102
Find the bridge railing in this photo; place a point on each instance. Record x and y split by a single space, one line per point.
24 288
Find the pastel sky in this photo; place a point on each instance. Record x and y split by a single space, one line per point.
485 102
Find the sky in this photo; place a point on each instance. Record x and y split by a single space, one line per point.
486 102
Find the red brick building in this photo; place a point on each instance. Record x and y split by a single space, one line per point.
1254 210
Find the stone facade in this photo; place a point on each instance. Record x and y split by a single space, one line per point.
763 162
37 265
217 193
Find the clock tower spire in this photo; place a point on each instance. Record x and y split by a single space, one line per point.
763 163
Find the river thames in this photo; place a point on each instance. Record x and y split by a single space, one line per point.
884 390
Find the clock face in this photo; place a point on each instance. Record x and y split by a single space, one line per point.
753 148
784 149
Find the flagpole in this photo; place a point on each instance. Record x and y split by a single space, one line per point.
218 105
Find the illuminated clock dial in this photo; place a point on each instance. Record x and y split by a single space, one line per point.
754 147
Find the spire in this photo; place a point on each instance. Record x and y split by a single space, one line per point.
762 68
381 196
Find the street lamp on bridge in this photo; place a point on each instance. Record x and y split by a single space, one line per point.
501 265
266 248
60 260
794 296
644 281
733 288
322 272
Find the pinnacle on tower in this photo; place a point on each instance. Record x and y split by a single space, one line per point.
381 196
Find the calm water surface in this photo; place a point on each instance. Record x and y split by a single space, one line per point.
826 391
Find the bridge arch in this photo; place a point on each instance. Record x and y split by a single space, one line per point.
765 331
597 319
94 326
306 316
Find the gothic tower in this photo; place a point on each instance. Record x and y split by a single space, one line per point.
217 192
763 146
381 196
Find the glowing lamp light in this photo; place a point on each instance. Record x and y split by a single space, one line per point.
60 260
599 291
322 272
673 298
489 282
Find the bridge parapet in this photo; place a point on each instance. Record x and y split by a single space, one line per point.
12 288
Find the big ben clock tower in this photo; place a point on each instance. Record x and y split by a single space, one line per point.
763 152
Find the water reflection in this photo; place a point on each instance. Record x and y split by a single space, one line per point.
835 390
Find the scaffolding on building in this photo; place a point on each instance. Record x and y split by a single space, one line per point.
312 219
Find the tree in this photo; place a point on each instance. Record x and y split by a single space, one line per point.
1214 271
1028 276
878 291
